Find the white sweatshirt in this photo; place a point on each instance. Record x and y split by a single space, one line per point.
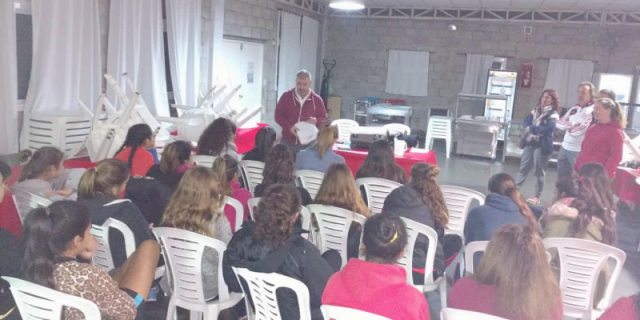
576 122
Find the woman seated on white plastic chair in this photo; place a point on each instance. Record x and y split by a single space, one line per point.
378 285
513 280
45 176
58 237
219 139
320 155
273 244
280 168
200 186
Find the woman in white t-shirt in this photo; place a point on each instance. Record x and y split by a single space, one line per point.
575 122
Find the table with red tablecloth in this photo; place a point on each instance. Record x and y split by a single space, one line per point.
624 185
355 159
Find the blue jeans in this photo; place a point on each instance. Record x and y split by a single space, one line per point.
566 162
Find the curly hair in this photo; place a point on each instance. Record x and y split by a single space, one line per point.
554 96
279 166
216 137
423 180
380 163
595 201
276 213
196 203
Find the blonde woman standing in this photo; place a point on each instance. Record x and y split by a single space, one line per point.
195 206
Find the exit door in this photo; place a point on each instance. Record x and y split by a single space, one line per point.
243 63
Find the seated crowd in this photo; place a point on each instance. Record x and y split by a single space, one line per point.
513 278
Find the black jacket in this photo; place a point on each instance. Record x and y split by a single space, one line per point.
297 258
150 196
406 202
104 207
169 181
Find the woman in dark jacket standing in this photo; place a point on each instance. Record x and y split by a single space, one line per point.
273 244
504 205
422 200
539 127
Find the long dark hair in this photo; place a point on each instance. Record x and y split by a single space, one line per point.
424 181
279 166
595 200
41 162
504 185
555 97
47 233
264 142
216 137
384 238
274 217
381 164
136 136
174 155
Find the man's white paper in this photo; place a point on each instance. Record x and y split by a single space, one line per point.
307 132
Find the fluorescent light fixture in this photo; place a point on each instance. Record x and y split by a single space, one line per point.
346 5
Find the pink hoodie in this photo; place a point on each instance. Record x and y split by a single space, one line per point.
242 195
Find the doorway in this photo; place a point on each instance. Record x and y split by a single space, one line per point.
243 62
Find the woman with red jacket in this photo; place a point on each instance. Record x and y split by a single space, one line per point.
377 284
603 142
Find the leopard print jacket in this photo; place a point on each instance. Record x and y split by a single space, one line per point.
94 284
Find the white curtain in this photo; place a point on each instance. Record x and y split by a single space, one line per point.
476 73
184 30
408 73
564 76
136 46
309 46
8 80
289 58
66 56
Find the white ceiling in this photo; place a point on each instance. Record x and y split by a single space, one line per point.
582 5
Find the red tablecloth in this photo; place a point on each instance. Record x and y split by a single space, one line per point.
625 186
246 138
355 158
9 218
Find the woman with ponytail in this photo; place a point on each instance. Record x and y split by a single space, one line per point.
590 216
377 284
174 163
422 200
44 175
59 237
504 205
134 150
227 169
101 190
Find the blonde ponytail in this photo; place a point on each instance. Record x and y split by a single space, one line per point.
87 182
102 178
220 168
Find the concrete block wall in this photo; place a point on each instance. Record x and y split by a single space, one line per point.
361 48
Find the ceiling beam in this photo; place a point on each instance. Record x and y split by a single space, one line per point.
315 6
496 15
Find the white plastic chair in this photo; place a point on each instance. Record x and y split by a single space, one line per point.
182 250
334 224
252 174
581 262
397 128
306 218
65 132
37 302
103 257
470 249
237 206
203 160
456 314
343 313
310 180
26 201
439 128
253 206
458 201
413 230
263 288
376 190
344 128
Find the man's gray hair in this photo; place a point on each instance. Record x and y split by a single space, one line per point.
302 74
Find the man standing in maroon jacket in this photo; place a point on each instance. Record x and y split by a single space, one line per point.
299 104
